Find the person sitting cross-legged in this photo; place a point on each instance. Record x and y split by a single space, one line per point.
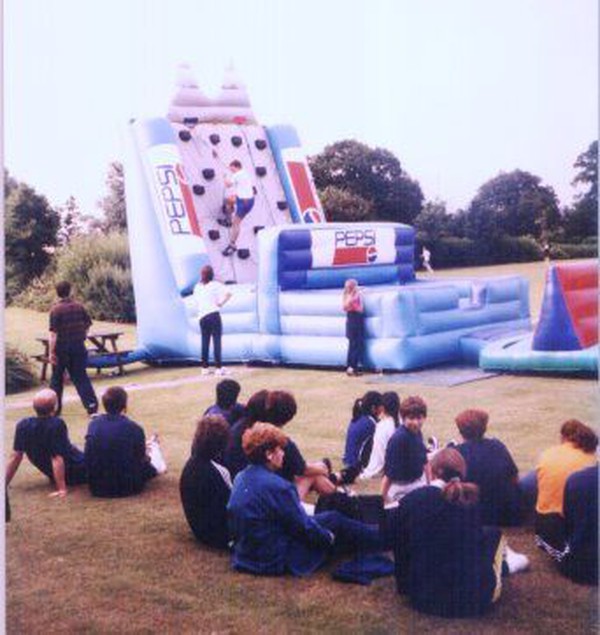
119 461
271 532
205 483
45 440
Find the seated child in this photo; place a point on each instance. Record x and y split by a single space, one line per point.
227 406
406 454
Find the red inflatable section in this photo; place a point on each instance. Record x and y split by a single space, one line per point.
579 282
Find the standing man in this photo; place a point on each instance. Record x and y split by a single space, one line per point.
45 440
69 324
118 458
239 180
426 258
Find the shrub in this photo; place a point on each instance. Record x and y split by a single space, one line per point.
341 206
565 251
99 270
19 374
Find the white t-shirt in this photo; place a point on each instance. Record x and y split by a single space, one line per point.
242 184
383 431
207 296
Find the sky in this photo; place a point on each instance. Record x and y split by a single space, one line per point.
458 90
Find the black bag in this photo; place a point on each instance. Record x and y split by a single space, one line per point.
367 508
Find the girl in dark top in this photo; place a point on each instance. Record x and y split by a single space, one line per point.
491 467
205 484
446 561
359 437
352 303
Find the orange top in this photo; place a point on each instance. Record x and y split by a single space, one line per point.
555 466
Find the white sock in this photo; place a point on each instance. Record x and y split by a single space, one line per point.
515 561
156 456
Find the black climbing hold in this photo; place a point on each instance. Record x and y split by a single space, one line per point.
214 139
214 234
257 228
185 135
282 205
190 121
261 144
254 190
229 281
261 171
236 141
198 189
208 173
243 254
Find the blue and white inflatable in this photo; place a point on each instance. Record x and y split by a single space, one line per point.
287 275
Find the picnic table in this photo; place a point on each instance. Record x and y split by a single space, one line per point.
98 343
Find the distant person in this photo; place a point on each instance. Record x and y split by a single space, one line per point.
352 303
205 483
576 451
210 296
119 460
45 440
227 404
546 250
239 180
426 259
579 560
69 325
406 453
446 561
271 532
491 467
389 420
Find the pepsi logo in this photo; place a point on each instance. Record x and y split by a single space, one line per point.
371 254
311 215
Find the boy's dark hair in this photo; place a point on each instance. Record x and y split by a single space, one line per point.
206 274
256 408
413 407
357 408
211 438
370 400
114 400
227 391
63 289
281 407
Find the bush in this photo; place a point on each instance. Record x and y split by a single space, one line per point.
99 270
564 251
19 374
341 206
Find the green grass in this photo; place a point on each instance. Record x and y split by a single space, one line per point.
122 566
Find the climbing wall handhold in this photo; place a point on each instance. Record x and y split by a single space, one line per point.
261 144
243 254
261 171
198 189
185 135
236 141
190 121
214 139
257 228
281 205
208 174
214 234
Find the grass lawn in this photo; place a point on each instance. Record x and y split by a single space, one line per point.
121 566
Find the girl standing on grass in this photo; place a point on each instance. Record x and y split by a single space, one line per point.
352 303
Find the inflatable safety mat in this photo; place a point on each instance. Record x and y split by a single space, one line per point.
453 375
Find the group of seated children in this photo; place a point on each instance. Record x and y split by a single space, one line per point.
116 461
245 484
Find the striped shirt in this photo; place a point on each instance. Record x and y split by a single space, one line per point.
70 321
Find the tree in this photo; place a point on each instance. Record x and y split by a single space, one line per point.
31 227
582 219
433 222
73 222
374 174
113 204
341 206
513 204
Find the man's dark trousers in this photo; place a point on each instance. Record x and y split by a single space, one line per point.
72 356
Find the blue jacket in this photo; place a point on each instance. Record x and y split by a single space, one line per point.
272 533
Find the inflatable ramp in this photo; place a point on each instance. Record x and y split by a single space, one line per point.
566 337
